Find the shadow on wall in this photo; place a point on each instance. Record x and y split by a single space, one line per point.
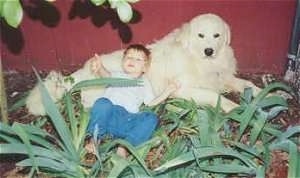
49 15
12 37
42 11
100 15
36 10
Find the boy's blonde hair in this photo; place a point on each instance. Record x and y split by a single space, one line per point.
141 48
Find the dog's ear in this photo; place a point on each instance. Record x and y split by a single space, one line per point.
183 35
227 34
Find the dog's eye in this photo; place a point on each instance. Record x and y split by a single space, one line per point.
216 35
200 35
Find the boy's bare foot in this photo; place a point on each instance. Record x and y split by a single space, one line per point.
121 151
90 147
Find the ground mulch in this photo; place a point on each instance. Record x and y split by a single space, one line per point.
19 82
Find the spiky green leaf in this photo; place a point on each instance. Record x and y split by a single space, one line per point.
57 119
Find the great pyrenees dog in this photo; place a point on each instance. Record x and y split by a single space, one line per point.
198 55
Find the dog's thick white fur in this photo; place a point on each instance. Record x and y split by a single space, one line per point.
198 55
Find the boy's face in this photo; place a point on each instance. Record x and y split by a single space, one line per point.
134 62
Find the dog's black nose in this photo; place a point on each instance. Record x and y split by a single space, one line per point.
208 51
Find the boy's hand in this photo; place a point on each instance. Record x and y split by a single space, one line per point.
96 65
173 85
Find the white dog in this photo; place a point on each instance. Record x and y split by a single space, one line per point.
198 55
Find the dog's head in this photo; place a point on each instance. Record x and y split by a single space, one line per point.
205 35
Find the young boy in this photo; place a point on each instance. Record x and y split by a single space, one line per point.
117 112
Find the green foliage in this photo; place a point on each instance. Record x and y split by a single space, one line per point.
105 81
60 154
98 2
228 144
122 7
11 11
286 143
192 141
21 102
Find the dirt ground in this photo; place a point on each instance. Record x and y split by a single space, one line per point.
18 83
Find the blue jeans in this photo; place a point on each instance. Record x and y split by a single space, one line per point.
115 120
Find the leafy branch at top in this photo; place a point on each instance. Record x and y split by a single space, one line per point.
11 10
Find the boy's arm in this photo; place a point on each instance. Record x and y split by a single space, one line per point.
172 87
98 68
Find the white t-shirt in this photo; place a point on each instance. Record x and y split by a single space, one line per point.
132 97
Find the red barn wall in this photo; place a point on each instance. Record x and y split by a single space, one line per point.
65 35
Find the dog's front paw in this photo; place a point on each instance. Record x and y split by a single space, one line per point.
267 79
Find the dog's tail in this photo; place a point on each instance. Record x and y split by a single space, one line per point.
55 86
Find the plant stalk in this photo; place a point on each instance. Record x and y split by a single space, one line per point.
3 102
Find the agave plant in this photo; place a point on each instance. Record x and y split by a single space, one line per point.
60 154
219 150
200 141
191 141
